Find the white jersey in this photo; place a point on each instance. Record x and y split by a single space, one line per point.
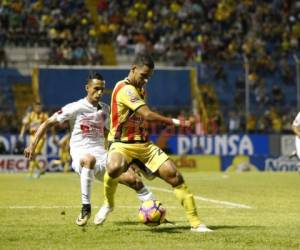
87 124
296 121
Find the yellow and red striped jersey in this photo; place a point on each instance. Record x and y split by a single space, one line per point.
125 124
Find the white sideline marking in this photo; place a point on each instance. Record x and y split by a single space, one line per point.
61 206
226 203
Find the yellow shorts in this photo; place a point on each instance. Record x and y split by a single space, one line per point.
40 146
148 153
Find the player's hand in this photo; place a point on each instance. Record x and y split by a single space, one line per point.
187 123
29 152
182 123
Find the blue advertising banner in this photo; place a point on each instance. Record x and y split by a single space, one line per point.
234 153
224 145
243 163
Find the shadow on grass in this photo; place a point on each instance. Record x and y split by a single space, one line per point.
179 229
161 229
126 223
221 227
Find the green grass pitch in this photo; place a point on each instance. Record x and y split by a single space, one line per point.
247 211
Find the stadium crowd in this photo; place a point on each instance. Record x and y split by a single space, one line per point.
62 25
209 33
176 31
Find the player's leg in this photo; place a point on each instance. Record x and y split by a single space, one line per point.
65 159
170 174
34 168
87 163
31 168
109 184
157 162
130 179
37 166
117 163
297 144
32 162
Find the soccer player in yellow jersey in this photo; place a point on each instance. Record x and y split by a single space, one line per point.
31 122
64 152
129 139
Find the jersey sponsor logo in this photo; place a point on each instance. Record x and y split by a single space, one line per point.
134 99
92 124
159 151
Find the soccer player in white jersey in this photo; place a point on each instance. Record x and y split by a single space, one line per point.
296 130
89 121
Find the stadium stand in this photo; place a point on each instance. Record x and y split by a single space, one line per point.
214 35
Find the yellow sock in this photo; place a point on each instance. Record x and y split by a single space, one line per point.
110 187
36 165
31 167
66 167
186 199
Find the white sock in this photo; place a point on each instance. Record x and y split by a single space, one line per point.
86 181
144 194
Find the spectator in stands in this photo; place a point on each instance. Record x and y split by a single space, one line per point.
122 43
251 123
18 148
3 58
277 96
3 149
233 122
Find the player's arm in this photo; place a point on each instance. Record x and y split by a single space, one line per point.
30 149
130 98
151 116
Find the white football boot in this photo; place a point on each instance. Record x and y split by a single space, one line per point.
202 228
102 214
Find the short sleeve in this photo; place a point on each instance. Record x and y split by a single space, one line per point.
130 97
66 113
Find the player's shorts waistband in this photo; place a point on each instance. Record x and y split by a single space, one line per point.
130 142
127 142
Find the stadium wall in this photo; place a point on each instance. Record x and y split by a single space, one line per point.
61 85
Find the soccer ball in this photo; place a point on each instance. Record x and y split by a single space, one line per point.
152 213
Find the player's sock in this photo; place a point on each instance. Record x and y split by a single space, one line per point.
186 199
37 169
66 167
31 168
110 187
144 194
86 181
